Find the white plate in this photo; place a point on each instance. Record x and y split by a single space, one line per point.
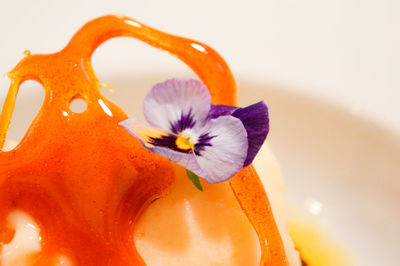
345 164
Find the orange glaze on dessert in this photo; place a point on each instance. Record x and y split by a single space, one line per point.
83 178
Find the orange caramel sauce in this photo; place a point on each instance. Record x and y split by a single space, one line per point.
83 178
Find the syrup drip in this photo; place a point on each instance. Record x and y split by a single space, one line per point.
84 179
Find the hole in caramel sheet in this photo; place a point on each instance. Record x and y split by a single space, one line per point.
78 105
131 68
29 101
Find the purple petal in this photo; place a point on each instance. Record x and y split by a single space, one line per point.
176 104
255 120
220 110
226 151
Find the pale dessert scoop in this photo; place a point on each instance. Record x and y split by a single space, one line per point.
189 227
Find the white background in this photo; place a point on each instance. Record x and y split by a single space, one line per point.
343 51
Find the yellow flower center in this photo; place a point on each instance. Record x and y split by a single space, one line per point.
185 141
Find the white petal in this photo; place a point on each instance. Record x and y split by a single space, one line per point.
186 160
167 101
143 133
228 150
140 131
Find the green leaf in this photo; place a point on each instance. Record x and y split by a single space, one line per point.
194 179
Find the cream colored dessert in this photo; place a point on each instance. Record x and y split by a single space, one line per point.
188 227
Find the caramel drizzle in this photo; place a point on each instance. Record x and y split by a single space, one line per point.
87 207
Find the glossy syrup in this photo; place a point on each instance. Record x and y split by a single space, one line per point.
84 179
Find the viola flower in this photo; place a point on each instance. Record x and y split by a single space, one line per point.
213 141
